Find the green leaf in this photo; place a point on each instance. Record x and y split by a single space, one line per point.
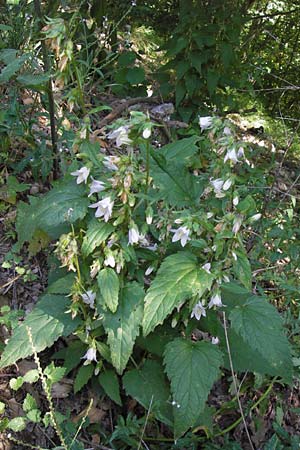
29 403
62 285
180 92
242 269
110 383
17 424
16 383
12 68
108 282
182 150
192 368
33 80
149 387
34 415
54 374
178 278
91 151
212 81
48 321
71 355
64 204
135 75
2 407
126 59
97 233
176 184
260 326
122 327
83 376
31 376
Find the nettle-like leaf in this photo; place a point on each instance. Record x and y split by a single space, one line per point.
178 278
97 232
108 282
192 368
110 383
150 388
48 321
180 150
260 326
122 327
64 204
176 184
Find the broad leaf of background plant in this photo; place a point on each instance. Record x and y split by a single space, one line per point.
108 282
176 184
192 368
149 386
110 383
64 204
97 233
260 326
178 278
180 150
48 321
122 327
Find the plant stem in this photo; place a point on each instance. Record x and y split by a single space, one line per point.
51 105
147 165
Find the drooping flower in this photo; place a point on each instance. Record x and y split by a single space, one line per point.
104 208
96 186
182 235
111 162
110 260
237 223
147 133
255 217
91 355
227 131
89 298
215 301
149 270
133 236
81 174
227 184
231 156
217 184
198 311
215 340
235 200
205 122
241 153
207 267
121 136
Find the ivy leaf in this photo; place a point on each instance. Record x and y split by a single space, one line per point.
149 387
178 278
83 376
64 204
110 383
48 321
122 327
192 368
108 282
260 326
97 233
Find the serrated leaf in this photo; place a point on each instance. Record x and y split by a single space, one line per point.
97 233
17 424
135 75
83 376
33 80
110 383
54 374
29 403
178 278
192 368
34 415
176 184
242 269
16 383
260 325
62 285
108 282
48 321
31 376
182 149
64 204
122 327
149 387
